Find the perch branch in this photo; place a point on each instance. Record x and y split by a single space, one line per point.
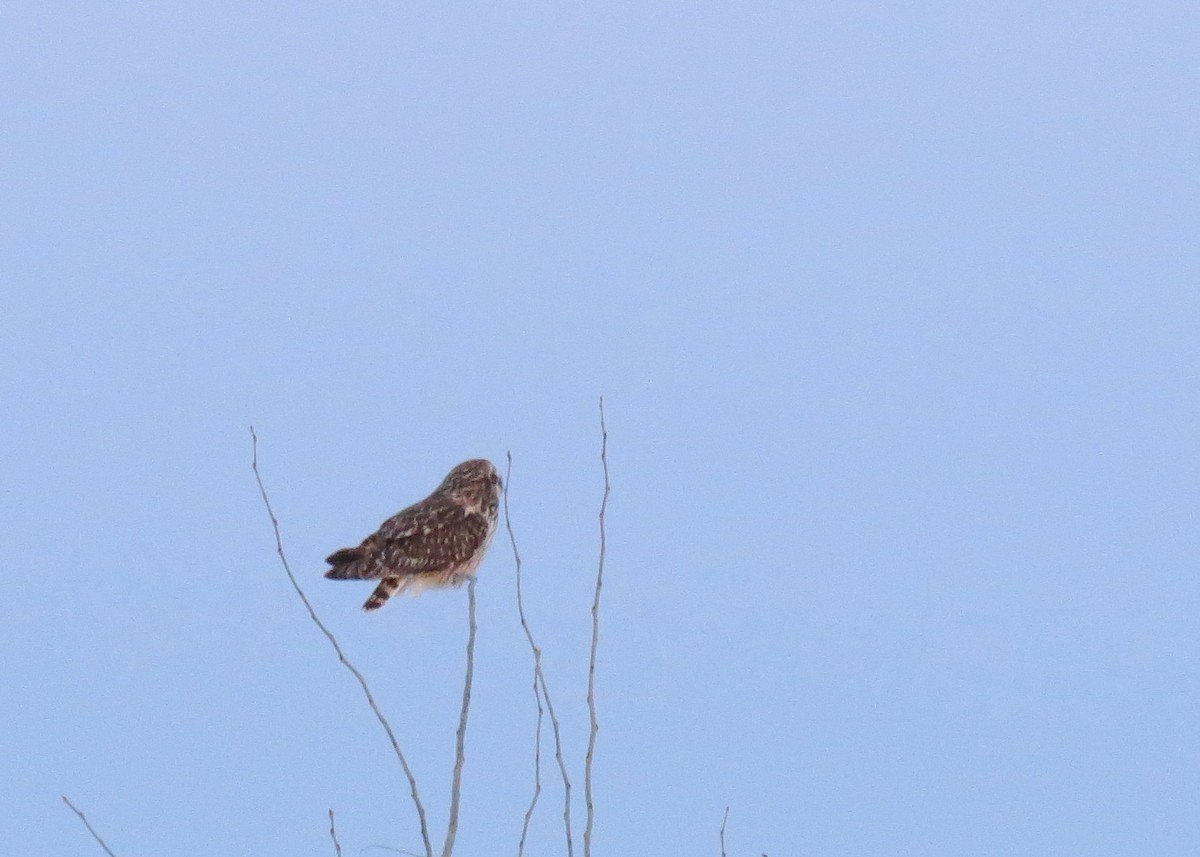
383 721
461 735
723 821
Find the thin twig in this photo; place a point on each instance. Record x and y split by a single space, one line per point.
461 735
562 764
537 694
537 655
540 691
83 818
337 846
387 727
591 693
723 820
537 767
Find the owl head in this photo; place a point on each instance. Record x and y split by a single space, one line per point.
476 481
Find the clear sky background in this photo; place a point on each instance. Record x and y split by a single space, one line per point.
896 312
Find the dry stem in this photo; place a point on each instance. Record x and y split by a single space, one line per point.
591 692
83 818
333 835
461 735
412 782
540 691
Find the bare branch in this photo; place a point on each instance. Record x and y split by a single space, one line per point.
387 727
540 691
537 694
591 692
461 735
333 835
537 768
83 818
723 821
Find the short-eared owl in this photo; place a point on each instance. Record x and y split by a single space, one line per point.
436 542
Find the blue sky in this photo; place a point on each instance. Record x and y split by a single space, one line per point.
894 308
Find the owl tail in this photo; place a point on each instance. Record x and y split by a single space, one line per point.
346 564
387 587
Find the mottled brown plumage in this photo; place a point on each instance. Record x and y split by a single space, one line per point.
437 542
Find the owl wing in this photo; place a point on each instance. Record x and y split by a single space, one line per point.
370 560
431 537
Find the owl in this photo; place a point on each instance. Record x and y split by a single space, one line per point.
437 542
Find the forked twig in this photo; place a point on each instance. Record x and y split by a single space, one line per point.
540 691
86 824
337 846
537 693
537 767
461 735
591 692
387 727
723 820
